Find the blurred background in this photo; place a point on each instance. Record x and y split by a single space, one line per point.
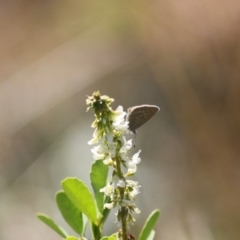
183 56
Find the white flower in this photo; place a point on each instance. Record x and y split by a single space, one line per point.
137 211
132 164
107 190
119 122
95 138
132 184
127 145
105 151
93 141
108 161
94 124
108 205
132 168
98 152
120 125
135 189
111 149
136 159
121 183
119 113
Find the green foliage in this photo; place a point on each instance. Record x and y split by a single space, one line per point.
69 212
151 235
112 237
105 212
47 220
147 230
76 202
98 175
79 194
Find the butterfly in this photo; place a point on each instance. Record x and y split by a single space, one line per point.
138 115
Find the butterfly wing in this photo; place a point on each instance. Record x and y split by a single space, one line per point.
139 115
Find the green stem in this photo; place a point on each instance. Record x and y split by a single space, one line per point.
96 232
124 212
118 167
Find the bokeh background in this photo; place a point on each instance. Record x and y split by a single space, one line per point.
183 56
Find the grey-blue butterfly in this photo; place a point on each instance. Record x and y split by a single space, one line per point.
139 115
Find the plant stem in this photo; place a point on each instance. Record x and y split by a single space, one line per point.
123 210
96 232
124 222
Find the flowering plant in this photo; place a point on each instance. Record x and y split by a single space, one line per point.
111 191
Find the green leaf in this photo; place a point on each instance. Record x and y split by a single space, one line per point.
149 225
151 235
71 238
112 237
98 175
69 212
105 212
47 220
79 194
108 238
115 235
85 222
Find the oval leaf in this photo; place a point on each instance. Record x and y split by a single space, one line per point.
149 225
69 212
79 194
47 220
98 175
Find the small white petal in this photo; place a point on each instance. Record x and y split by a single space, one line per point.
96 133
119 122
132 183
132 168
131 171
133 194
120 126
108 205
93 141
107 190
137 211
97 152
135 157
119 109
121 183
108 161
119 113
127 145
